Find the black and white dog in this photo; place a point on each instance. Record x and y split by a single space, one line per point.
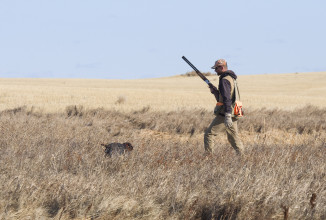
117 148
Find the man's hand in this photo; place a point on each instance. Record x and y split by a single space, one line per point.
228 120
213 89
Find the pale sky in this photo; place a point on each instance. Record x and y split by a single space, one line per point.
128 39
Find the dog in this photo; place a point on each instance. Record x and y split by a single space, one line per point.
117 148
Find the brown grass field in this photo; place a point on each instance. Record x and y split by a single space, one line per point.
52 165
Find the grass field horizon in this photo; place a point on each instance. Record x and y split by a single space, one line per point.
284 91
53 166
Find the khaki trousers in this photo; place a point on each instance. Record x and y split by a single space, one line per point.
218 126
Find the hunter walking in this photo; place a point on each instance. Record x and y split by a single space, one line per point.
225 119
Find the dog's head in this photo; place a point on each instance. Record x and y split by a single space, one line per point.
128 146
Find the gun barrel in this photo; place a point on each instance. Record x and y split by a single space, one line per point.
190 64
197 71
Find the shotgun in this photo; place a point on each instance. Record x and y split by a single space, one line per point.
210 85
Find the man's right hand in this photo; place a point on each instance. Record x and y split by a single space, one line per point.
215 92
213 89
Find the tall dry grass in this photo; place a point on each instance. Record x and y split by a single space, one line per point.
52 166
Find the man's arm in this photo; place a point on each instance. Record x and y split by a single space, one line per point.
225 90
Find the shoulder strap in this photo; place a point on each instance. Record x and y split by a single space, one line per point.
236 90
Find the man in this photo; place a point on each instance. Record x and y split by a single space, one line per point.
223 120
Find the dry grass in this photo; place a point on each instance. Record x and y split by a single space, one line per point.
284 91
52 165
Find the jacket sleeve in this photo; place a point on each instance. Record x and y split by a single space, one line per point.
225 90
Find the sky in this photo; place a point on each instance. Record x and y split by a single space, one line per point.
135 39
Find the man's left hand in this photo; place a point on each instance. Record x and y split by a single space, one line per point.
228 120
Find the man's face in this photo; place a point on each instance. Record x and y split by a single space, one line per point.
220 69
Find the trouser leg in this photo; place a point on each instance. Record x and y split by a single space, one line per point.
216 126
233 137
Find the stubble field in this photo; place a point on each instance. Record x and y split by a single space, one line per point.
285 91
53 166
